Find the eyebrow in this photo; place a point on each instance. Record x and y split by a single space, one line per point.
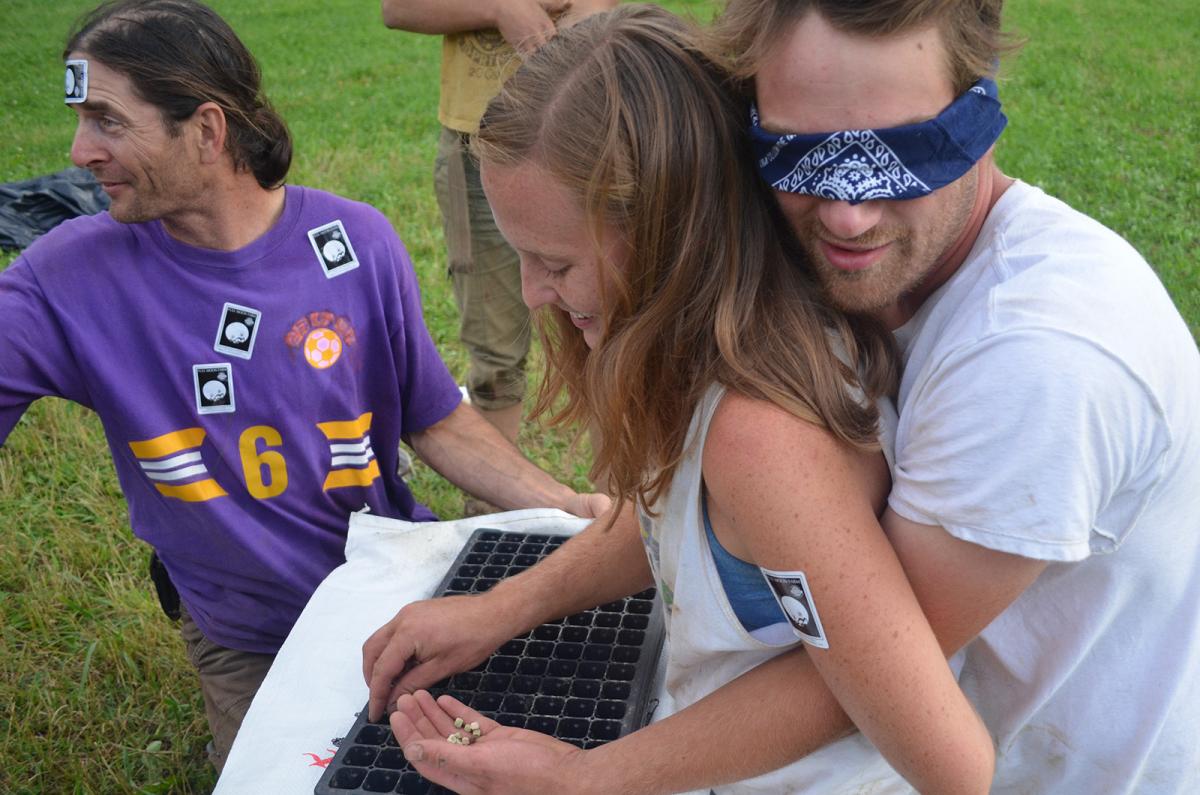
564 259
95 106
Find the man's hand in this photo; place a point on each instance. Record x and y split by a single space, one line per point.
525 24
426 642
502 760
588 505
584 8
528 24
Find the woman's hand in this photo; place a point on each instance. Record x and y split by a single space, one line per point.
501 760
426 642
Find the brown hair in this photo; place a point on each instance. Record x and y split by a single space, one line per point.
179 54
747 29
624 111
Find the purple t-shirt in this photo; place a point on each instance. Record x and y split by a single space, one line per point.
252 399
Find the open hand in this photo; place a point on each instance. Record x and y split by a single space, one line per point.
528 24
588 505
501 761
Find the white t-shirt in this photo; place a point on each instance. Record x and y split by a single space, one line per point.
1050 408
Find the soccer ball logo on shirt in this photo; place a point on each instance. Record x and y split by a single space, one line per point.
321 337
322 348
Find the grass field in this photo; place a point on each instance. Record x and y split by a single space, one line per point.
95 694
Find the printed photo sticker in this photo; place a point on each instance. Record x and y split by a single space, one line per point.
237 331
333 248
795 599
214 388
76 81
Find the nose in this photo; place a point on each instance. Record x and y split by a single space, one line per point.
848 221
85 149
535 292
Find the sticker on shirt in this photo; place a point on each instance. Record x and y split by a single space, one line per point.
214 388
75 82
334 251
795 599
654 555
236 333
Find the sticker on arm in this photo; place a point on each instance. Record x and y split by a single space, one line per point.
796 600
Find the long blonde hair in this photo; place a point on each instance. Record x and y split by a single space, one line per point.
625 111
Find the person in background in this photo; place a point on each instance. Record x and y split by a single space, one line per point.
483 42
254 351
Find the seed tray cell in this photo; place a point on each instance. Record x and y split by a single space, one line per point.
586 679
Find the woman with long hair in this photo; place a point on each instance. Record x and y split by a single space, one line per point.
736 424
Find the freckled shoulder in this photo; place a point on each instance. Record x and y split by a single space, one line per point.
755 438
774 479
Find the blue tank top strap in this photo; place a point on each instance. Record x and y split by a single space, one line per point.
747 591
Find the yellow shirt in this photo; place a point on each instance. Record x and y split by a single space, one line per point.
474 66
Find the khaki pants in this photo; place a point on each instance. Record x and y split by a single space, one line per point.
228 679
486 274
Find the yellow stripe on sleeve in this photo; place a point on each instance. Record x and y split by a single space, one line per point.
199 491
341 478
168 443
350 429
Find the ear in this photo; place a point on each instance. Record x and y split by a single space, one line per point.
211 128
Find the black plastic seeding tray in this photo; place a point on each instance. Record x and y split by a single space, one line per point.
585 679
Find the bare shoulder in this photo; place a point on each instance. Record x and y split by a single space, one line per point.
751 438
742 417
770 472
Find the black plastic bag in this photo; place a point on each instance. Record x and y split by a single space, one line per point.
168 597
35 206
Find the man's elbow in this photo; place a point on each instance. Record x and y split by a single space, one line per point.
394 16
455 426
419 442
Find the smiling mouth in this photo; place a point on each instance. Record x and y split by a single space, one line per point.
103 180
856 258
852 249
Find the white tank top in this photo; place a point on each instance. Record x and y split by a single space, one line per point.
707 646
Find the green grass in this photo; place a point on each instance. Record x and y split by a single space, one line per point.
1102 107
95 694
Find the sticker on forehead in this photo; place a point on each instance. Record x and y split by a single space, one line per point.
333 248
75 81
795 598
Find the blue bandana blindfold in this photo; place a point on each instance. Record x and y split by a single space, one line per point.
894 163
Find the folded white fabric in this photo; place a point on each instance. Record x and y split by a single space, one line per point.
315 688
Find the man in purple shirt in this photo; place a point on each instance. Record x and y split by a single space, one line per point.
255 352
